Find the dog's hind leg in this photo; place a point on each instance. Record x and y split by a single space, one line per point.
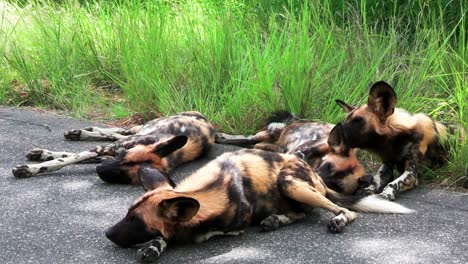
274 222
99 133
296 183
28 170
311 150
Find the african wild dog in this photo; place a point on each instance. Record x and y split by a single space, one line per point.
163 143
401 139
311 141
230 193
340 168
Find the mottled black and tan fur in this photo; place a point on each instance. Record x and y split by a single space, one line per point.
162 143
311 141
232 192
402 140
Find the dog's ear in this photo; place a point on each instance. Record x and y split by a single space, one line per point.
335 139
382 100
152 178
167 147
365 180
179 209
346 107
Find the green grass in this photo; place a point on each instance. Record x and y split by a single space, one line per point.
236 60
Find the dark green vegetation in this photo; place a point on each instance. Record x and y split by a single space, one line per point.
236 60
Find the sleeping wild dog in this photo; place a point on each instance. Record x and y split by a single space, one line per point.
401 139
314 142
163 143
230 193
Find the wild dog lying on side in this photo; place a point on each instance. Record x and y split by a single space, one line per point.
340 168
163 143
230 193
311 141
400 138
286 133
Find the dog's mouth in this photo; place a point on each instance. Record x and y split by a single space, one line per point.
130 232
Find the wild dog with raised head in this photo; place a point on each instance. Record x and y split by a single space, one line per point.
163 143
232 192
401 139
311 141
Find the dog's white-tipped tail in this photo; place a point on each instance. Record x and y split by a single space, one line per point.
375 204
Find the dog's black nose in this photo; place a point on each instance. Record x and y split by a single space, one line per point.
112 172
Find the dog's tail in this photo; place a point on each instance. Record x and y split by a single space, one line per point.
369 204
450 129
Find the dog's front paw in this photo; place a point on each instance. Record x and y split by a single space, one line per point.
220 136
388 193
22 171
38 155
270 223
151 250
73 135
336 225
369 190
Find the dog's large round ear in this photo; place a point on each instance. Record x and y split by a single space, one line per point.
167 147
152 178
179 209
382 100
335 139
346 107
365 180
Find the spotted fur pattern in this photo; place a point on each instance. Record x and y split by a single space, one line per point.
402 140
309 140
163 143
232 192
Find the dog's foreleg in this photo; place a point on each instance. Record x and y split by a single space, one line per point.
383 176
152 249
407 180
98 133
236 140
274 222
206 236
244 140
98 153
45 155
28 170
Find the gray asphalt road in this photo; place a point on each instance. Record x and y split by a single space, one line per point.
60 217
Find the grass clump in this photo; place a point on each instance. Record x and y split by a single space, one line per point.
237 60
